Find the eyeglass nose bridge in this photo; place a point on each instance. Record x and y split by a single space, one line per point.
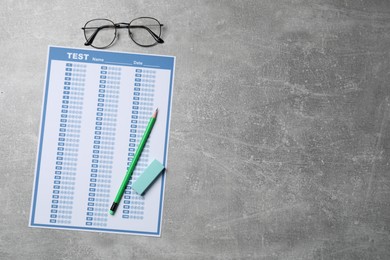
122 25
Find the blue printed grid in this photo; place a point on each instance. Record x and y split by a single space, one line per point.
68 144
103 146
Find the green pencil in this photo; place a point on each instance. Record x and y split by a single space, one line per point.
133 163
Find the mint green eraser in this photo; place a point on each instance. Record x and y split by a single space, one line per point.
147 177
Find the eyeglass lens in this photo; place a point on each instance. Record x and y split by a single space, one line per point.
141 30
103 30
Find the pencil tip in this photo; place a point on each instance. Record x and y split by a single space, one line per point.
155 113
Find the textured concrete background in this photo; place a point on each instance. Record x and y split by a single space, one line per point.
280 134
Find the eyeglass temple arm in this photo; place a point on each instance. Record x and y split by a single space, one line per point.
93 36
155 36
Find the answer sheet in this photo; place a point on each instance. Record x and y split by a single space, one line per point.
96 106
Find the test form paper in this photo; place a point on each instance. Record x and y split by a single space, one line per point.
96 106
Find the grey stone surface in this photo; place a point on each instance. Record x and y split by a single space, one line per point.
279 144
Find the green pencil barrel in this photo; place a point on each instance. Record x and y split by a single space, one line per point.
134 161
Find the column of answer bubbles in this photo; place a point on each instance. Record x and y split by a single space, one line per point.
68 144
103 146
142 109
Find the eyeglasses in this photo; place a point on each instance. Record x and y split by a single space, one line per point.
102 33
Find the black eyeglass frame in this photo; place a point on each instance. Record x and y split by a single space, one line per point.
116 26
